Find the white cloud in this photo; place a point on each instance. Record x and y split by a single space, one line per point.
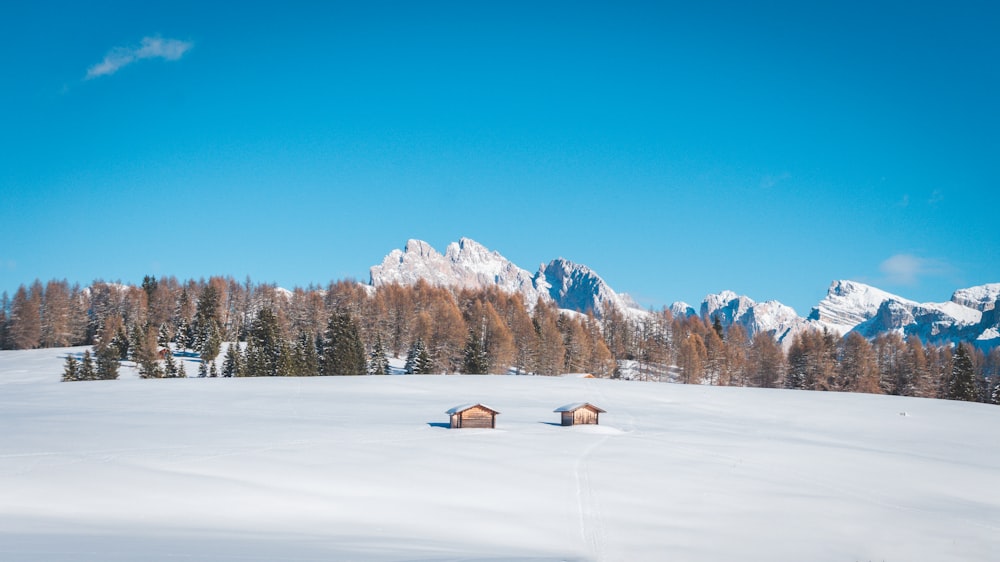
907 269
151 47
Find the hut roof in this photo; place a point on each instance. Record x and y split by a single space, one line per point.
464 407
577 406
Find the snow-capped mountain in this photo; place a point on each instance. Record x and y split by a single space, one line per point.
849 303
770 316
972 314
682 309
983 297
468 264
577 287
465 264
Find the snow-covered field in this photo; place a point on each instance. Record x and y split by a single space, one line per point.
365 469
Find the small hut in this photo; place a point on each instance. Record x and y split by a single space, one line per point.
473 415
580 413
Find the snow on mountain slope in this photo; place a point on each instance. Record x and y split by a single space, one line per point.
849 303
364 469
982 297
465 264
577 287
770 317
681 309
468 264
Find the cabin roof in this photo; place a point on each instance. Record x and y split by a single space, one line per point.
577 406
464 407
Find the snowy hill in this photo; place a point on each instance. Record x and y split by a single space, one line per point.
470 265
363 469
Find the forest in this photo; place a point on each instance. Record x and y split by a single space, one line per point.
347 328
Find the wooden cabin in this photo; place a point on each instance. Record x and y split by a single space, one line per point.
473 415
580 413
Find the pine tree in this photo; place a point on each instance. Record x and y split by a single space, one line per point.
107 363
476 360
202 369
169 366
71 372
305 360
232 366
410 367
717 327
212 371
181 373
343 353
378 364
120 343
163 336
962 385
424 364
267 351
87 371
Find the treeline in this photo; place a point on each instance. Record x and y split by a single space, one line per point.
348 328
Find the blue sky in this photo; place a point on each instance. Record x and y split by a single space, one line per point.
677 149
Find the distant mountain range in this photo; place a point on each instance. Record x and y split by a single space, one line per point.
972 314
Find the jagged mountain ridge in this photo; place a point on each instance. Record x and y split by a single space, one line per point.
972 314
852 306
468 264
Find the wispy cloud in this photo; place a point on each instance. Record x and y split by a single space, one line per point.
907 269
150 48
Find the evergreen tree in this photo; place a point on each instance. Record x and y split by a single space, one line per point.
305 357
169 366
212 371
962 385
87 371
120 343
163 336
232 366
476 360
181 373
424 364
995 394
343 353
267 351
717 327
107 363
71 371
413 357
202 369
181 337
378 364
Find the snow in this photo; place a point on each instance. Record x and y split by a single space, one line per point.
849 303
982 297
468 264
576 406
363 468
989 334
464 407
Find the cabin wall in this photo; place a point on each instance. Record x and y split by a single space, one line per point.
477 417
567 418
584 416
